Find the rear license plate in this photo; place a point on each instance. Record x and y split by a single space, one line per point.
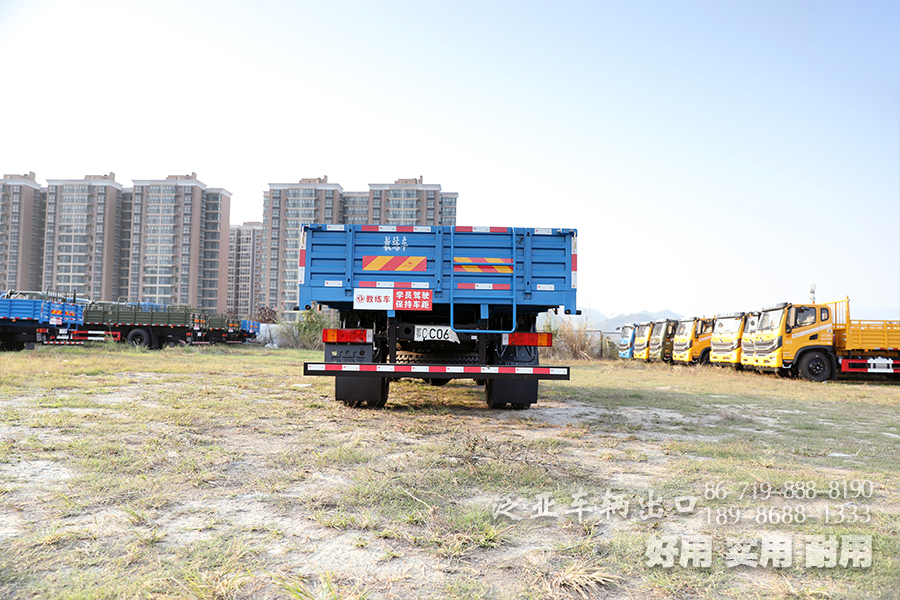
435 333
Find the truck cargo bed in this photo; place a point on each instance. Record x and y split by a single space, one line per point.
529 270
853 335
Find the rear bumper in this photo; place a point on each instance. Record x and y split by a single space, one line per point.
434 371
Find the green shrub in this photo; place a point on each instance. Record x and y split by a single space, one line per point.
305 332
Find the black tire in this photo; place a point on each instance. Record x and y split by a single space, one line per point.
382 399
357 392
704 358
437 382
814 366
139 338
490 398
11 345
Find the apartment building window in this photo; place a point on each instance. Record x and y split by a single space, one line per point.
431 194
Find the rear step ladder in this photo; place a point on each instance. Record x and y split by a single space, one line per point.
456 295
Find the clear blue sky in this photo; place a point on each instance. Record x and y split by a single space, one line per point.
676 136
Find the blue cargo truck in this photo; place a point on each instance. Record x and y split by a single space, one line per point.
29 318
625 343
437 303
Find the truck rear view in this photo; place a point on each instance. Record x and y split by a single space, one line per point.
437 303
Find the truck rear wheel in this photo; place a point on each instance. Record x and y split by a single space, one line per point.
815 366
519 394
358 391
139 338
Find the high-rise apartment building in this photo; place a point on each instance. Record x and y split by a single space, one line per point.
244 268
22 206
177 245
288 205
82 236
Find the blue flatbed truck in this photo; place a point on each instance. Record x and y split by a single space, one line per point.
437 303
29 318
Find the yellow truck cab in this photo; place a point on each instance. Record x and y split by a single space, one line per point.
662 339
748 340
769 338
725 345
692 341
642 341
816 341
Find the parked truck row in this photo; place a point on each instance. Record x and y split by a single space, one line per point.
809 340
44 318
436 304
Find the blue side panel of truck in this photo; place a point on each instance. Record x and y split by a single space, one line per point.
41 311
524 270
250 327
21 309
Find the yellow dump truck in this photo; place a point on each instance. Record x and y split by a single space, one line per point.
748 340
818 341
642 341
725 345
692 341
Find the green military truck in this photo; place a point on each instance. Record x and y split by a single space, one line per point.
149 326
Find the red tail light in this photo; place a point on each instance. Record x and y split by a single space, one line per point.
347 336
528 339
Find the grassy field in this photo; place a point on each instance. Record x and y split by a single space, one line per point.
224 473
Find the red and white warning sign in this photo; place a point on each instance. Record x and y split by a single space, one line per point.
388 299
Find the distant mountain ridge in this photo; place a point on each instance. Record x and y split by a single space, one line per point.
599 322
638 317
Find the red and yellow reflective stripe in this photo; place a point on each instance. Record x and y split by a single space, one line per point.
393 263
470 264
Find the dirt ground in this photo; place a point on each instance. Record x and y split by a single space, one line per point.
154 484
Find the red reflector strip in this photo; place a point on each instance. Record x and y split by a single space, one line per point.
469 264
477 259
399 285
396 228
482 229
393 263
437 370
483 286
347 336
528 339
877 365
